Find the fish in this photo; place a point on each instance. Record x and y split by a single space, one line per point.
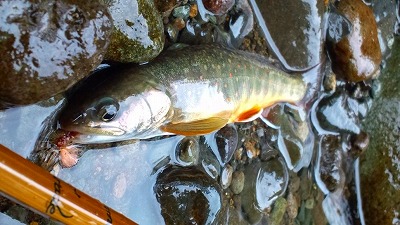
189 91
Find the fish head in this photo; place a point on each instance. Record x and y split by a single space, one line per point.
109 118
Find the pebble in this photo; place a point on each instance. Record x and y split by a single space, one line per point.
330 82
292 206
309 204
237 184
181 11
226 176
187 151
194 10
218 7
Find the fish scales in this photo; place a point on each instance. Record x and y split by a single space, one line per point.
189 91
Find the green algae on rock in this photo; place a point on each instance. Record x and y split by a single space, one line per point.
46 47
380 168
138 33
357 56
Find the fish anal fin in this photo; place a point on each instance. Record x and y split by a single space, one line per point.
249 115
197 127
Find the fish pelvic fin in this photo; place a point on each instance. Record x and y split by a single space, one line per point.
249 115
197 127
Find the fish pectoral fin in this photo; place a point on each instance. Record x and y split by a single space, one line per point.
249 115
197 127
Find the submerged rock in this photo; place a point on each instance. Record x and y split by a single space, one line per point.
138 33
340 113
47 47
187 151
330 169
296 29
187 195
380 168
294 134
357 56
265 182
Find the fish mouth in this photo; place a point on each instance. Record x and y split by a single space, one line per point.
88 132
96 135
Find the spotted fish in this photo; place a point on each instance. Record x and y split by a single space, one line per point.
190 91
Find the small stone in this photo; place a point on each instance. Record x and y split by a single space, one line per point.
278 211
172 32
237 182
330 82
238 154
218 7
226 176
165 6
309 204
251 150
193 10
181 11
226 141
187 151
292 206
359 143
179 23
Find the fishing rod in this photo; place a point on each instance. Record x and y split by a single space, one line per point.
33 186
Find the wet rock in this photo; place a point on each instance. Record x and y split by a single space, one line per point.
278 211
385 16
223 143
194 10
379 166
138 33
294 131
181 12
241 22
166 6
330 82
226 176
359 144
357 56
330 170
265 182
335 113
237 182
252 149
292 206
227 141
187 151
218 7
207 156
296 29
188 196
195 33
47 47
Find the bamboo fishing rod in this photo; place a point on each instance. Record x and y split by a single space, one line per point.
31 185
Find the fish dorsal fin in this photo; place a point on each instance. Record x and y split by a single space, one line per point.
197 127
249 115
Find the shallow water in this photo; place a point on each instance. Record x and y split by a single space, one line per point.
123 175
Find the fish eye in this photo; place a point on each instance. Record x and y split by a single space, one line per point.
106 109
